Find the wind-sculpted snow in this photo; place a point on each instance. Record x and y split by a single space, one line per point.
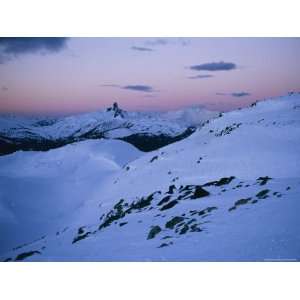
228 192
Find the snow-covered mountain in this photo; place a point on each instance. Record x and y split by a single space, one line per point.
147 131
228 192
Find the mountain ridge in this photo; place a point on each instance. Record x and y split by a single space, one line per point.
156 129
228 192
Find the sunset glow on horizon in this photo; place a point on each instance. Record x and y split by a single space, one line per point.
65 76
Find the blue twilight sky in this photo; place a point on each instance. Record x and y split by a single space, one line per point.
58 75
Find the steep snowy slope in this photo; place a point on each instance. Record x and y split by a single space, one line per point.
230 191
137 128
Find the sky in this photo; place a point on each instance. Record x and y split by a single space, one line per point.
74 75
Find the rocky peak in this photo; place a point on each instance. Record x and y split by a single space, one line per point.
116 110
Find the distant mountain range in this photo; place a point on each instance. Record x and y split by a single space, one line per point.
147 131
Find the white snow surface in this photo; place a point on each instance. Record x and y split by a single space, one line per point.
89 200
41 191
152 123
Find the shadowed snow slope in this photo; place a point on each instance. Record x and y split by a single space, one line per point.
41 190
228 192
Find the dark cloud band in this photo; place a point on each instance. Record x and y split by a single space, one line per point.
136 87
240 94
12 46
142 49
139 88
201 76
234 94
214 66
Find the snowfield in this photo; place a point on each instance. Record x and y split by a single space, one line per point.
228 192
41 191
